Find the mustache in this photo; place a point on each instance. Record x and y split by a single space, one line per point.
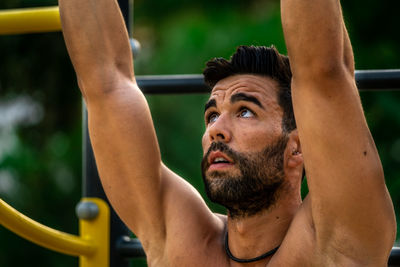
224 148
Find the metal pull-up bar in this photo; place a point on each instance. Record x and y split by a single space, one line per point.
193 83
38 20
30 20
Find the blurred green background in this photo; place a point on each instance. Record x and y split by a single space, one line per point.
40 104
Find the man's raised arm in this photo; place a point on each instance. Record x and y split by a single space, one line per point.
147 196
120 125
350 206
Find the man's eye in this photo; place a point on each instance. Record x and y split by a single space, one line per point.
212 117
245 113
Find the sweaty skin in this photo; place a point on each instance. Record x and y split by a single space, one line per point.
346 220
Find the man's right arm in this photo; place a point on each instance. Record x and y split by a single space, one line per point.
146 195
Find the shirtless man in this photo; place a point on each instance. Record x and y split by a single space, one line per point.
253 159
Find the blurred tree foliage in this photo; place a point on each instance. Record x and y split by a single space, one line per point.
40 156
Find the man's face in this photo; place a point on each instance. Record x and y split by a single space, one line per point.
243 144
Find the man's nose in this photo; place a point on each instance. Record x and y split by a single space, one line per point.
220 130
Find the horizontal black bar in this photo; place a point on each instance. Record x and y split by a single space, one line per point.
132 248
128 247
193 83
172 84
394 259
378 79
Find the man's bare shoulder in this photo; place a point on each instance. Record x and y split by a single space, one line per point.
300 246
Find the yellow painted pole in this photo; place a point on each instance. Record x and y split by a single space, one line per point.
97 230
43 235
29 20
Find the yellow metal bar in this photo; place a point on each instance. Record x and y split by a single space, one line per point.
43 235
30 20
97 230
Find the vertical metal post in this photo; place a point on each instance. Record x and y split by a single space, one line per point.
127 12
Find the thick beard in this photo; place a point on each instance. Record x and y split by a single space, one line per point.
257 186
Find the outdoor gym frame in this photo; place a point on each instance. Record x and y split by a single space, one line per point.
104 240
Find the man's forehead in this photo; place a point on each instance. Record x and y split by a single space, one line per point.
259 85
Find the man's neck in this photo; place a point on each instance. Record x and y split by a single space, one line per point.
252 236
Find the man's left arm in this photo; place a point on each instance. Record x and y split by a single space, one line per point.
351 209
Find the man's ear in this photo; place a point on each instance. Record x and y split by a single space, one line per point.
293 150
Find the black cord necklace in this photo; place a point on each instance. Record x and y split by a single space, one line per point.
263 256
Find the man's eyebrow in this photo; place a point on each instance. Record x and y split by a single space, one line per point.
210 103
244 97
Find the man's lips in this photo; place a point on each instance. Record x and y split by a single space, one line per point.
217 158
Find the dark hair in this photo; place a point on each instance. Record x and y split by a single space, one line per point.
259 60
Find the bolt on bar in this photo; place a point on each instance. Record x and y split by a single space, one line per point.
30 20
